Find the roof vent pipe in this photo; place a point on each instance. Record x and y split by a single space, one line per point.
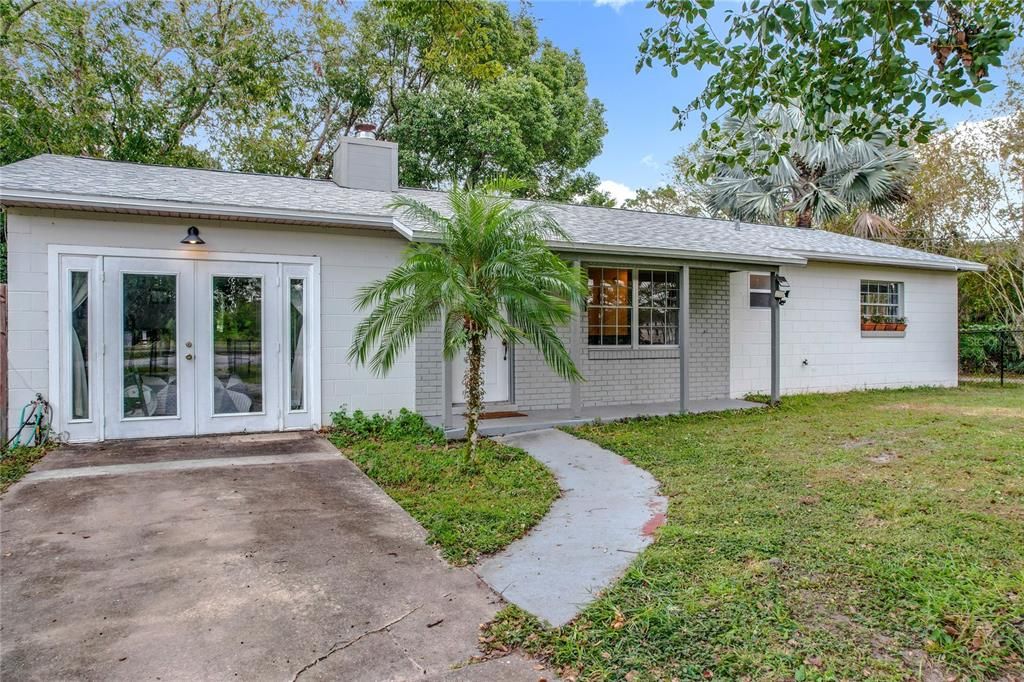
366 131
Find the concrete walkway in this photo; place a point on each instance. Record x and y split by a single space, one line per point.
607 514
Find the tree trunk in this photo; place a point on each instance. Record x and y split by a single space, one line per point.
474 391
805 218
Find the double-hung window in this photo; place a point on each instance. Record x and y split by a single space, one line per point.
881 301
760 288
632 307
610 307
657 307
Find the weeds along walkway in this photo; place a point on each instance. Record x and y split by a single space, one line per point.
607 514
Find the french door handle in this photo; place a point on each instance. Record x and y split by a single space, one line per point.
188 356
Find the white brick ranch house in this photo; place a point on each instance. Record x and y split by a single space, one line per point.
132 331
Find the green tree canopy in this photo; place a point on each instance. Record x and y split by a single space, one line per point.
835 57
466 88
135 80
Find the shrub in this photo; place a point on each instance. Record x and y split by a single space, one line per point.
407 425
979 350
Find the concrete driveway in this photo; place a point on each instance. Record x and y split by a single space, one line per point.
247 557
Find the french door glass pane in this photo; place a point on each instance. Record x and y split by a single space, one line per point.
149 349
237 345
297 343
79 345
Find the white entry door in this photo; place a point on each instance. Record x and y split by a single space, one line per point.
238 349
496 372
149 347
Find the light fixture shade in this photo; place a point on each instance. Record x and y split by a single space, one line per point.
193 236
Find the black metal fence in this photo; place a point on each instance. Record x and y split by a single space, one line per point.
990 352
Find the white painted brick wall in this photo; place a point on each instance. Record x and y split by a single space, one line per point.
349 259
821 325
613 376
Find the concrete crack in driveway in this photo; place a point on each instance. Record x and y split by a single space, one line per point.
567 559
340 646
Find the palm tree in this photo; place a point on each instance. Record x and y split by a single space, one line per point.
785 168
490 272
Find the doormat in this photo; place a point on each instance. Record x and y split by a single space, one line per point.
498 415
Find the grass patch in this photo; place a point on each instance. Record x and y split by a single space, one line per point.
468 510
17 462
868 535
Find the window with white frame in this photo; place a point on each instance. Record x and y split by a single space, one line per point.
759 285
881 301
632 307
657 307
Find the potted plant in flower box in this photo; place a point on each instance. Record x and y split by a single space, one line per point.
867 324
901 324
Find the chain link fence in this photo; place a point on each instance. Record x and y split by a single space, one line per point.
988 353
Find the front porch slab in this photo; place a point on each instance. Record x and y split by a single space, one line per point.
546 419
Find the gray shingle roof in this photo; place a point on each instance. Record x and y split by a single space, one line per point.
50 180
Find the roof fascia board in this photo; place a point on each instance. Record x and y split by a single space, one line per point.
115 204
951 266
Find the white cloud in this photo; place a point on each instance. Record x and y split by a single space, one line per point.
650 161
616 5
617 190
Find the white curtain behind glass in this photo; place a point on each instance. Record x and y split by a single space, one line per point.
298 343
79 327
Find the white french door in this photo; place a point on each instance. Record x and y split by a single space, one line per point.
149 347
239 330
190 347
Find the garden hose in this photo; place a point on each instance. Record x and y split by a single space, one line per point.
37 415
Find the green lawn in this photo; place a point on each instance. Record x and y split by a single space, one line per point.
870 535
468 511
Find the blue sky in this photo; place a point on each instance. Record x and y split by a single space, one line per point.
640 141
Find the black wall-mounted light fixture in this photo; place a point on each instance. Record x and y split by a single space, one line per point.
782 287
193 236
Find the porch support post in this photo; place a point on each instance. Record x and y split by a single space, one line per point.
575 353
776 337
446 390
684 339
